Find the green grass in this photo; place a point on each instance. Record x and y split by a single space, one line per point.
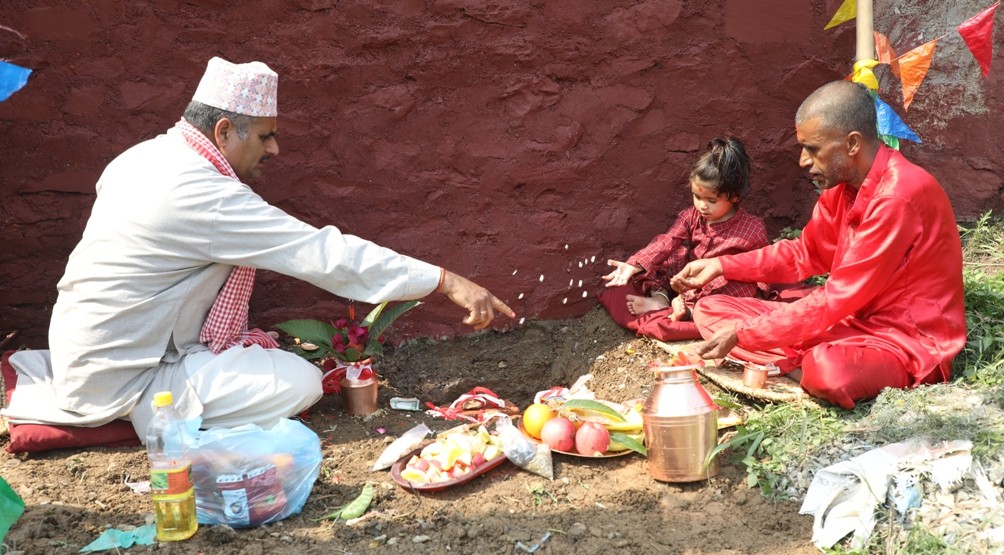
982 360
781 444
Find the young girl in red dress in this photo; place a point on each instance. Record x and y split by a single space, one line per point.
639 296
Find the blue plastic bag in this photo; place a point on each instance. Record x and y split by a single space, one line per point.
248 476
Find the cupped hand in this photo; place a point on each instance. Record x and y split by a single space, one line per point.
621 274
718 345
479 303
696 274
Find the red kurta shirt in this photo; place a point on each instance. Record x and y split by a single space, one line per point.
691 237
893 253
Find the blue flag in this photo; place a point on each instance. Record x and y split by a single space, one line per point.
12 78
889 122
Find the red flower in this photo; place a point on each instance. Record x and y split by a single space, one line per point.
358 334
338 343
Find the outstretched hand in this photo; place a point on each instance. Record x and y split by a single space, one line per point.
696 274
621 274
480 304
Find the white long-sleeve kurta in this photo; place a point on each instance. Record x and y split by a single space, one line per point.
165 231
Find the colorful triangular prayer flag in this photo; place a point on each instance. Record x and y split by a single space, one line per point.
890 141
913 68
978 32
885 53
12 78
846 12
890 124
864 75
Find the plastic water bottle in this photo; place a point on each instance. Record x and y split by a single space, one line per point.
167 444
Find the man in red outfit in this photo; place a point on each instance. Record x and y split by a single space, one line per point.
891 311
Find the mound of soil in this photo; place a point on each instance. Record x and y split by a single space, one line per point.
592 505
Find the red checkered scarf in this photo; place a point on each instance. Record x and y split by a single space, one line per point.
227 323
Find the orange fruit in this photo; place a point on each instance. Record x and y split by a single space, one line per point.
534 417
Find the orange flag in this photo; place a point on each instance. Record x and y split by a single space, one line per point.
885 53
978 32
913 68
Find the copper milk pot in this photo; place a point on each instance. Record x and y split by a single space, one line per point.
681 426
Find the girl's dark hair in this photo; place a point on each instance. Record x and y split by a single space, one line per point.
725 167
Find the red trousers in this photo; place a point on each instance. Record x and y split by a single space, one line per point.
655 324
841 367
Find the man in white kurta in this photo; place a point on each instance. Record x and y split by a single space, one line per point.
166 230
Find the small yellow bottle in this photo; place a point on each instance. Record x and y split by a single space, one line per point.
167 445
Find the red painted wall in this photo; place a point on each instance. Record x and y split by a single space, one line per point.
520 143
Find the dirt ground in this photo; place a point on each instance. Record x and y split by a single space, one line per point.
592 505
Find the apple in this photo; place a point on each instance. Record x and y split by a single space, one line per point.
492 451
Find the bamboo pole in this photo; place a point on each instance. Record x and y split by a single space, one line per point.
865 36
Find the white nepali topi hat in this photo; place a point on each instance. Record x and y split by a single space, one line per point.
247 89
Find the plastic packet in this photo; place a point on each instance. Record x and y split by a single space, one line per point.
534 457
248 476
579 390
401 446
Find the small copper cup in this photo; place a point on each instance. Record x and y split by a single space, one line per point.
360 396
754 377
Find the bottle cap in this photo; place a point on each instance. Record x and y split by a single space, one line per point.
163 399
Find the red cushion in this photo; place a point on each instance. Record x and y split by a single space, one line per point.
28 438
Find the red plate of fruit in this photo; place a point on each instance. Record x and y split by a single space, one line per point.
450 460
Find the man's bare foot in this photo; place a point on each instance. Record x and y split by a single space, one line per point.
640 305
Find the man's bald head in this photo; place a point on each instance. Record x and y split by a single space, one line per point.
842 107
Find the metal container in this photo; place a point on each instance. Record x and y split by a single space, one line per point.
681 427
754 377
359 396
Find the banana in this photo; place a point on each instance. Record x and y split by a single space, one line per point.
620 441
615 417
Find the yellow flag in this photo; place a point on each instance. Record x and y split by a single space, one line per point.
863 74
846 12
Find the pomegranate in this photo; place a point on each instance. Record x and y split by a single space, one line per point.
558 433
592 439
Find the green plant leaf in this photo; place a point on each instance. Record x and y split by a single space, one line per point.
727 403
629 442
321 352
373 315
352 355
385 317
595 406
373 349
309 331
